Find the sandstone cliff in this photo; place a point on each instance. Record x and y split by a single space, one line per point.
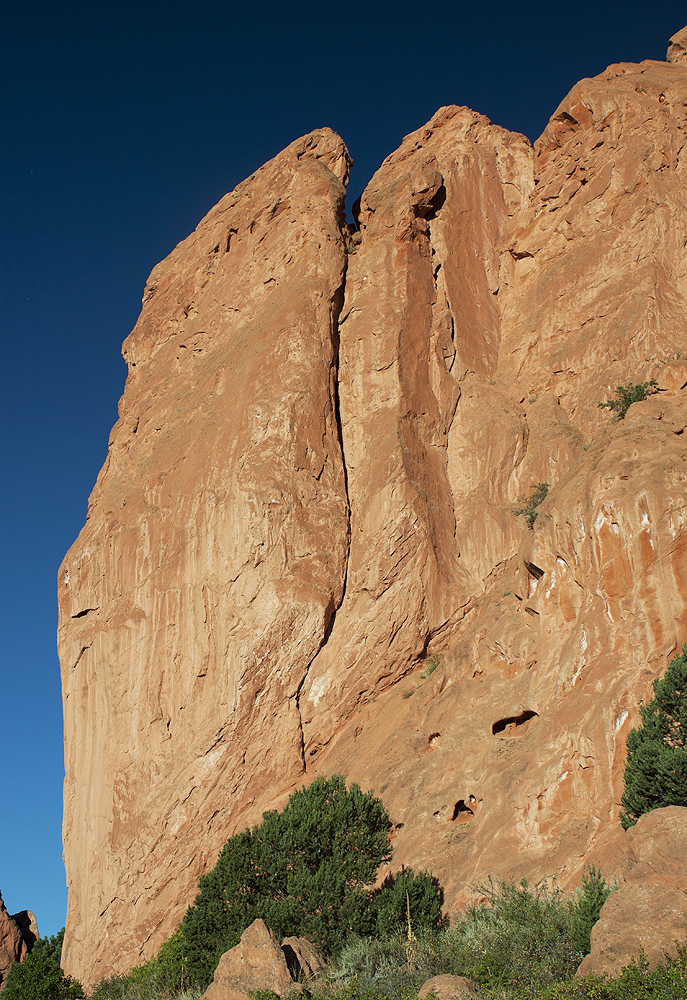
309 492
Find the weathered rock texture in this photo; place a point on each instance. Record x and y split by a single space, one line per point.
649 908
17 934
310 492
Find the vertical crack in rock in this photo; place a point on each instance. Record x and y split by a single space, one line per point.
338 305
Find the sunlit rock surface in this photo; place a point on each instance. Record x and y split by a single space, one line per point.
310 491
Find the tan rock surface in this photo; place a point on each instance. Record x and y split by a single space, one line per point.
509 758
299 507
256 963
677 49
649 909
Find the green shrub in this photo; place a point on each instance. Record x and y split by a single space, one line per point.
656 767
39 976
521 939
587 907
666 981
401 892
529 509
626 395
432 663
516 944
304 871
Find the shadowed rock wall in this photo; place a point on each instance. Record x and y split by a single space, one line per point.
310 491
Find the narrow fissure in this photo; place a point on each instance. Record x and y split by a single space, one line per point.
338 304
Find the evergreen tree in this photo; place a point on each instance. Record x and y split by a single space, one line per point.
304 871
39 976
656 767
593 894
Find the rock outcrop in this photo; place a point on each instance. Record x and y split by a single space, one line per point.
308 498
649 908
18 932
258 962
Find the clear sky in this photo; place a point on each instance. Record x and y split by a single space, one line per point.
122 124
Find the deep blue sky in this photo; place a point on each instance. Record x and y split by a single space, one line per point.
122 124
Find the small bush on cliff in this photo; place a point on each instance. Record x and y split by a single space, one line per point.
528 510
303 871
626 395
656 767
39 976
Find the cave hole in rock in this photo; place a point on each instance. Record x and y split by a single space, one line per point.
436 204
433 739
463 811
534 570
506 727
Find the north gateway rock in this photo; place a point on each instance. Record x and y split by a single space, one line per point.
309 494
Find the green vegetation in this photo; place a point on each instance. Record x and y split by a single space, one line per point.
529 509
39 976
656 767
626 395
432 663
519 943
306 871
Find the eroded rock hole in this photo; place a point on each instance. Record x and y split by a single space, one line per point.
436 204
506 727
534 571
462 811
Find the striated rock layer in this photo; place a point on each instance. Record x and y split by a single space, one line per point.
310 490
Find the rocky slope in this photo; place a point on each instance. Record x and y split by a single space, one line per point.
310 492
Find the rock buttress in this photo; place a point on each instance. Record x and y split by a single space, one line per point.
212 560
508 760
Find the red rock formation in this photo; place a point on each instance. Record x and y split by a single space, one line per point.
307 494
649 908
17 934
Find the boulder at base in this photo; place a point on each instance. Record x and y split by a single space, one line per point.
303 958
448 988
649 909
257 962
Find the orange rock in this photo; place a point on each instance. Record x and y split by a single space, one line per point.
310 490
649 908
448 988
214 555
256 963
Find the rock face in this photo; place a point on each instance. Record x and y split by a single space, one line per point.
309 495
650 905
